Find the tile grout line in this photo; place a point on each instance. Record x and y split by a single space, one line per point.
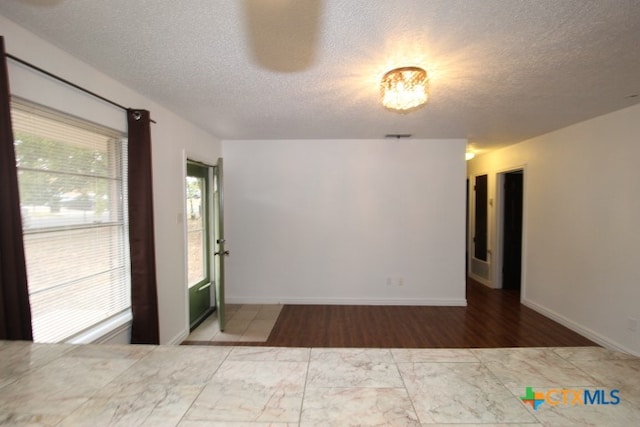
515 397
406 389
182 418
304 388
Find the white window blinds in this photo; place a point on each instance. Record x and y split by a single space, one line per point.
72 179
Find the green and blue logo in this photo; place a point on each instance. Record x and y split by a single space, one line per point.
571 397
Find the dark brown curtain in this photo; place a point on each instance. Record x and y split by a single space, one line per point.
15 311
144 295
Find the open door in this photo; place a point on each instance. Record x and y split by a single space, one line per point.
198 190
219 243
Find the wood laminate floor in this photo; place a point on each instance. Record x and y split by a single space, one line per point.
493 318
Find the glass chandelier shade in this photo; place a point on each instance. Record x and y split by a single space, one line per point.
404 88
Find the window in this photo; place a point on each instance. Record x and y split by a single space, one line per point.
197 229
72 179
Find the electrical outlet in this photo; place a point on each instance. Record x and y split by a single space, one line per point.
633 324
388 281
400 281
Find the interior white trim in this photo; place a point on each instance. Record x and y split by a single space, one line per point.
348 301
177 340
498 234
576 327
479 279
104 331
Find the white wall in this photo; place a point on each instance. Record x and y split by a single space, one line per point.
582 205
171 137
334 221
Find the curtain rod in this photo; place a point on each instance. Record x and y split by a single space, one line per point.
67 82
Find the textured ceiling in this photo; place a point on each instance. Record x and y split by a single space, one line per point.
501 71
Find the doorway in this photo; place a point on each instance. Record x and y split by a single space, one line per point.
466 232
205 242
480 236
512 229
198 224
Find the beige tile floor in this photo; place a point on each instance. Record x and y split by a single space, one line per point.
244 323
198 386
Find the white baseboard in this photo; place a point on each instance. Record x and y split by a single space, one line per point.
348 301
482 280
576 327
177 340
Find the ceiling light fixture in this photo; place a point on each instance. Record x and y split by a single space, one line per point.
404 88
469 155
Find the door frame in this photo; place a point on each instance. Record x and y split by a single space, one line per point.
499 225
471 224
182 220
219 242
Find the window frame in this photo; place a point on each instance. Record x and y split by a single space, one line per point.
117 321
